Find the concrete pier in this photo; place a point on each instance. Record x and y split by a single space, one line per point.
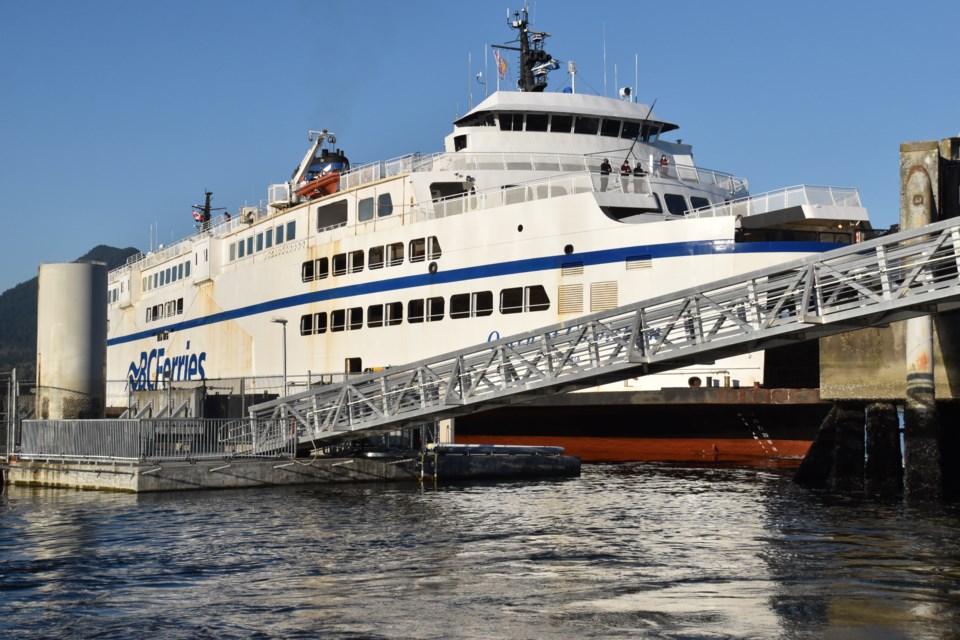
911 364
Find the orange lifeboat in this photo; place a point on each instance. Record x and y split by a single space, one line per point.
320 186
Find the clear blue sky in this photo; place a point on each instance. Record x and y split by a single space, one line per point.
116 115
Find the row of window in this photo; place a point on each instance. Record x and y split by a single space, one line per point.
263 240
165 310
390 255
166 276
568 123
462 305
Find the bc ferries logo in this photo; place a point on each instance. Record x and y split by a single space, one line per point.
157 367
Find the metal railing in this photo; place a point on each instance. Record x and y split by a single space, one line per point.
154 440
891 278
781 199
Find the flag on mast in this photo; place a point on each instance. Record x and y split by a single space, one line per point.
501 64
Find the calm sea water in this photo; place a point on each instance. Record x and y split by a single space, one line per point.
625 551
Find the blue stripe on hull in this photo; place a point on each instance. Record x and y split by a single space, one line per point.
589 258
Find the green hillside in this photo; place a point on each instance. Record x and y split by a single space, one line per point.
18 314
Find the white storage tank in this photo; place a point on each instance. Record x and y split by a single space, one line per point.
71 340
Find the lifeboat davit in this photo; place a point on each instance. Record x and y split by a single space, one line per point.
320 186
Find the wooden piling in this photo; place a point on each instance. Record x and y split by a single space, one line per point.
848 454
883 468
816 468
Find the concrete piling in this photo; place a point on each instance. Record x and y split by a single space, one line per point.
919 180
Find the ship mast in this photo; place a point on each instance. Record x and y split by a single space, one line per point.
535 63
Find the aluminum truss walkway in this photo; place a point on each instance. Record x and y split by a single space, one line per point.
895 277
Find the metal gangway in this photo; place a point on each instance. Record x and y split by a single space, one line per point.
891 278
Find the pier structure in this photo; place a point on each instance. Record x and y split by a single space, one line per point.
895 277
872 373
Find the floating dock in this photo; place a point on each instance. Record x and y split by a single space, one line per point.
435 463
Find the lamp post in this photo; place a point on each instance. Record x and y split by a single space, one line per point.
283 322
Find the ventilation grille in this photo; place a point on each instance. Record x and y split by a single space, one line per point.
571 298
639 262
571 269
603 296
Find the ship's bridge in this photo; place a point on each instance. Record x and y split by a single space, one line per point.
555 122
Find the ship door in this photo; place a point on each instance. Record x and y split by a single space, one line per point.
352 365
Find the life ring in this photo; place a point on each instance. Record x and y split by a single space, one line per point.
433 267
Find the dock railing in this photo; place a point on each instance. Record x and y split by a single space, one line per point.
154 440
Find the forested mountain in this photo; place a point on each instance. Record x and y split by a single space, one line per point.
18 314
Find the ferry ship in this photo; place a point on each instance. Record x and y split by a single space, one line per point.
543 206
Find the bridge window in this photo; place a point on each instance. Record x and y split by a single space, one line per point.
268 238
259 242
676 203
587 125
537 122
291 230
630 130
279 234
610 127
365 210
511 121
250 246
561 123
460 142
241 249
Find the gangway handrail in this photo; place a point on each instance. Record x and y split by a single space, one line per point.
890 278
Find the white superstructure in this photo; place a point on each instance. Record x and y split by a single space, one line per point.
513 226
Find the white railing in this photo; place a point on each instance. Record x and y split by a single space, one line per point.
782 199
154 439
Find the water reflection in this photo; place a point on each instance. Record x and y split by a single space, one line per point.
636 550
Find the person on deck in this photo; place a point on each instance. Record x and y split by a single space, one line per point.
605 170
625 174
